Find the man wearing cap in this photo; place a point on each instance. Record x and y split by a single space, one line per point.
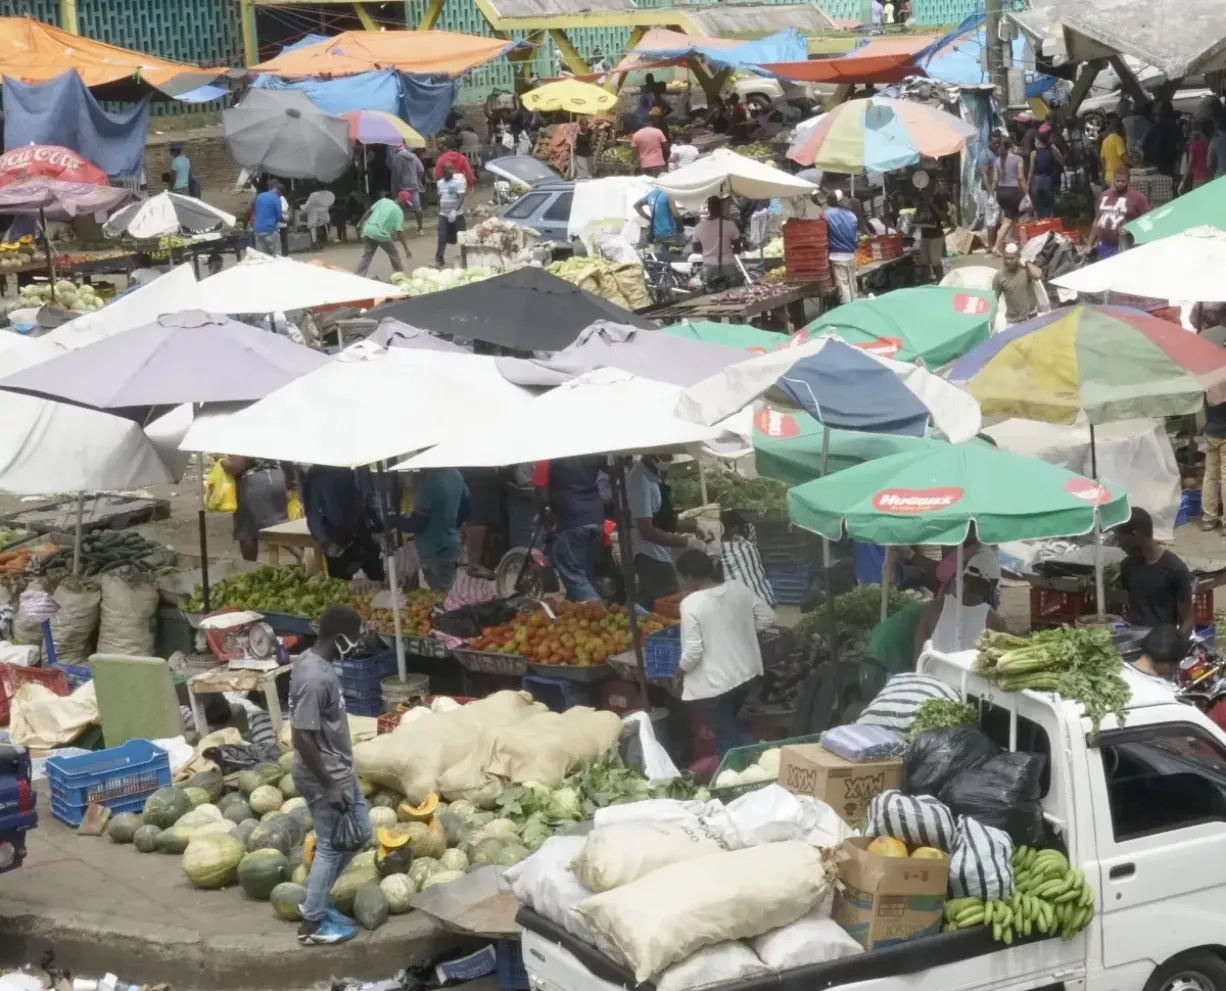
1013 283
952 626
408 181
1119 205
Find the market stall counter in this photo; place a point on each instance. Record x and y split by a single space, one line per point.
783 300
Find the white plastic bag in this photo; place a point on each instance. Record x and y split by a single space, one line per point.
125 626
657 810
657 765
816 938
774 814
543 882
672 912
724 962
617 855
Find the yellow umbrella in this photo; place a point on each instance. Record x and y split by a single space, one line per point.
571 95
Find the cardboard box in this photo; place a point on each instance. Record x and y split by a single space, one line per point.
844 785
887 900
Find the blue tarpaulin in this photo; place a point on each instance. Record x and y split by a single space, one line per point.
957 58
785 46
422 101
61 111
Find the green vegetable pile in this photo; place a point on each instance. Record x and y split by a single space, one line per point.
755 149
12 535
856 612
758 495
106 550
1080 663
942 714
275 589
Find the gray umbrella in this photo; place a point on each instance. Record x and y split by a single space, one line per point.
283 133
392 333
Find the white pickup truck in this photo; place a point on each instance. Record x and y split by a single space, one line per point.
1141 809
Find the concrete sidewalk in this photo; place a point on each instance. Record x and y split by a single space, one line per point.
107 908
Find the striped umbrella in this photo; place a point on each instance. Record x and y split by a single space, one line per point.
376 127
879 134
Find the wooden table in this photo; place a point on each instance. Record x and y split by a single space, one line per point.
222 679
726 308
877 271
293 536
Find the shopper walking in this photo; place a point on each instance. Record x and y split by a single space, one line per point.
380 227
451 191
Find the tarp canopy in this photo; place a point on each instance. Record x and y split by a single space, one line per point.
422 52
606 411
723 173
1198 208
392 333
367 404
527 310
1186 267
259 284
662 47
422 101
35 52
645 353
880 60
957 58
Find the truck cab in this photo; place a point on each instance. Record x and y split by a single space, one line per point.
1140 807
18 814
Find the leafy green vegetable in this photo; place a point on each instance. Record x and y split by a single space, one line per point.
942 714
760 495
856 612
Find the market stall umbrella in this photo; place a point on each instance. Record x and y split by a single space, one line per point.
283 133
571 96
57 199
727 173
392 333
1111 362
377 127
878 134
733 335
1200 207
930 323
48 162
135 307
527 310
843 387
260 284
1186 266
933 495
166 213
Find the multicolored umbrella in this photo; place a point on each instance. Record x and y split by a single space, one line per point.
1113 362
1201 207
572 96
733 335
935 324
377 127
878 134
931 496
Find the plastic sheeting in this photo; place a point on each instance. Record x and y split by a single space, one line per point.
957 58
607 205
1135 455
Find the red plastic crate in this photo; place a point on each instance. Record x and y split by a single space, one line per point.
1202 607
1033 228
802 233
1072 236
13 676
883 247
1052 607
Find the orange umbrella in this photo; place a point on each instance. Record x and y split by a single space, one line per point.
409 51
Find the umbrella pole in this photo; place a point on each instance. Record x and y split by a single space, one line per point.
702 483
204 540
624 523
958 590
887 575
389 555
830 613
1099 581
42 219
76 540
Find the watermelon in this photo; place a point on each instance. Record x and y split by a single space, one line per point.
346 888
175 839
248 781
223 826
211 859
370 907
293 804
421 870
145 839
199 817
382 818
246 828
302 816
454 860
287 787
265 799
123 827
296 857
197 796
386 799
270 774
237 811
262 870
300 874
165 807
227 800
286 900
398 891
210 781
442 877
279 833
286 762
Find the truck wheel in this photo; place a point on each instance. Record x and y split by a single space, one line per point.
1199 970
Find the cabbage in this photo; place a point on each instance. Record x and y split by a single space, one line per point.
511 855
463 810
488 851
769 761
536 832
564 804
756 773
728 779
501 827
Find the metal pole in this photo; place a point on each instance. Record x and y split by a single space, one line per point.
1099 580
76 543
204 538
624 523
702 483
389 555
42 218
995 49
958 591
830 611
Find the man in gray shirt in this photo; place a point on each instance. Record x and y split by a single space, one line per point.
408 181
323 767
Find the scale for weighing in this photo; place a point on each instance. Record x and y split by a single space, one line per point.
244 641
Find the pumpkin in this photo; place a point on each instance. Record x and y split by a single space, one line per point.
145 839
226 801
266 799
408 812
122 828
367 788
211 782
246 828
287 787
422 869
391 838
347 886
308 848
248 781
454 860
260 871
223 826
175 839
293 804
279 833
398 891
165 807
211 859
386 799
286 762
199 817
237 811
442 877
286 900
393 860
270 774
300 874
370 908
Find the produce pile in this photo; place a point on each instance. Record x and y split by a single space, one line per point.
12 535
743 294
764 496
856 612
107 550
78 299
1048 896
505 235
254 830
427 280
583 634
617 154
773 248
755 149
942 714
764 769
1082 664
17 254
619 282
284 589
416 611
17 561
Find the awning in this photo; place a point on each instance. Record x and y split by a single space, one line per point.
724 172
420 52
881 60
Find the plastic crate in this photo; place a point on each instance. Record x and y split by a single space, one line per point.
13 676
1202 608
1053 607
790 583
662 653
739 758
77 674
883 247
559 694
1189 506
1033 228
1208 634
364 707
120 778
361 677
512 976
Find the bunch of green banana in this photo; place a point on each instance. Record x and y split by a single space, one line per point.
962 913
1065 898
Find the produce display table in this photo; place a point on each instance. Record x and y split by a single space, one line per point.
876 273
736 306
222 679
293 536
68 265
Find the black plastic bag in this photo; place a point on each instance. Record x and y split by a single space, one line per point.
934 757
350 832
1002 792
231 757
468 621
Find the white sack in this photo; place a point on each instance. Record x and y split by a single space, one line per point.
617 855
41 720
719 964
656 810
128 607
664 917
544 883
816 938
73 627
774 814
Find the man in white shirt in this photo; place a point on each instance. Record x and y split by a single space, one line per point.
720 655
682 154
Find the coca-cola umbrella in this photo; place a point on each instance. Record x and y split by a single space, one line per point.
48 162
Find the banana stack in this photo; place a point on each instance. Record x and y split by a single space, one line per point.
1048 896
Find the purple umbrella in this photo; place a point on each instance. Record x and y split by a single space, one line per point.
57 199
393 333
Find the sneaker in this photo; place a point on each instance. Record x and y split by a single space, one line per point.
308 929
328 932
1208 525
337 918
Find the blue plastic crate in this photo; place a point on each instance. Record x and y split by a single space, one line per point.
790 583
120 778
512 975
77 674
1189 506
1208 633
559 694
364 707
662 652
362 676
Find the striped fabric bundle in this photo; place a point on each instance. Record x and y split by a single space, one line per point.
896 704
981 865
917 820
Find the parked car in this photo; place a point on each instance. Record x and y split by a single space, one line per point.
544 205
18 814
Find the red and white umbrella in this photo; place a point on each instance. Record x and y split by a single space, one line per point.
48 162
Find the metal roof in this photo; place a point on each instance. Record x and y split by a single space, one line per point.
727 20
555 8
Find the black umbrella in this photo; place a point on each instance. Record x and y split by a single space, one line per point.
526 310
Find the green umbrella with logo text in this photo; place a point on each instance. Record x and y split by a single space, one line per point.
733 335
931 496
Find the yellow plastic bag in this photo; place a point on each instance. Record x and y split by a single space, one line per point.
293 506
220 490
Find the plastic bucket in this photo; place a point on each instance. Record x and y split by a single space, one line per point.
396 693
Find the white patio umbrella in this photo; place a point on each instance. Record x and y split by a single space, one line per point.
166 213
260 284
726 173
165 294
1186 267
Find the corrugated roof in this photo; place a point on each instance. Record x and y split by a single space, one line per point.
554 8
725 20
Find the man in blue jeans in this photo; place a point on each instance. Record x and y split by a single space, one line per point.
440 508
451 191
265 218
323 767
566 490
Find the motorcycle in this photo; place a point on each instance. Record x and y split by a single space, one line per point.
1202 681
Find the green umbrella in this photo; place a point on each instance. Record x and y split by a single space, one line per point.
733 335
932 496
934 323
1204 207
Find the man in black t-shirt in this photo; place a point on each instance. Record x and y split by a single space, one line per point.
1158 584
